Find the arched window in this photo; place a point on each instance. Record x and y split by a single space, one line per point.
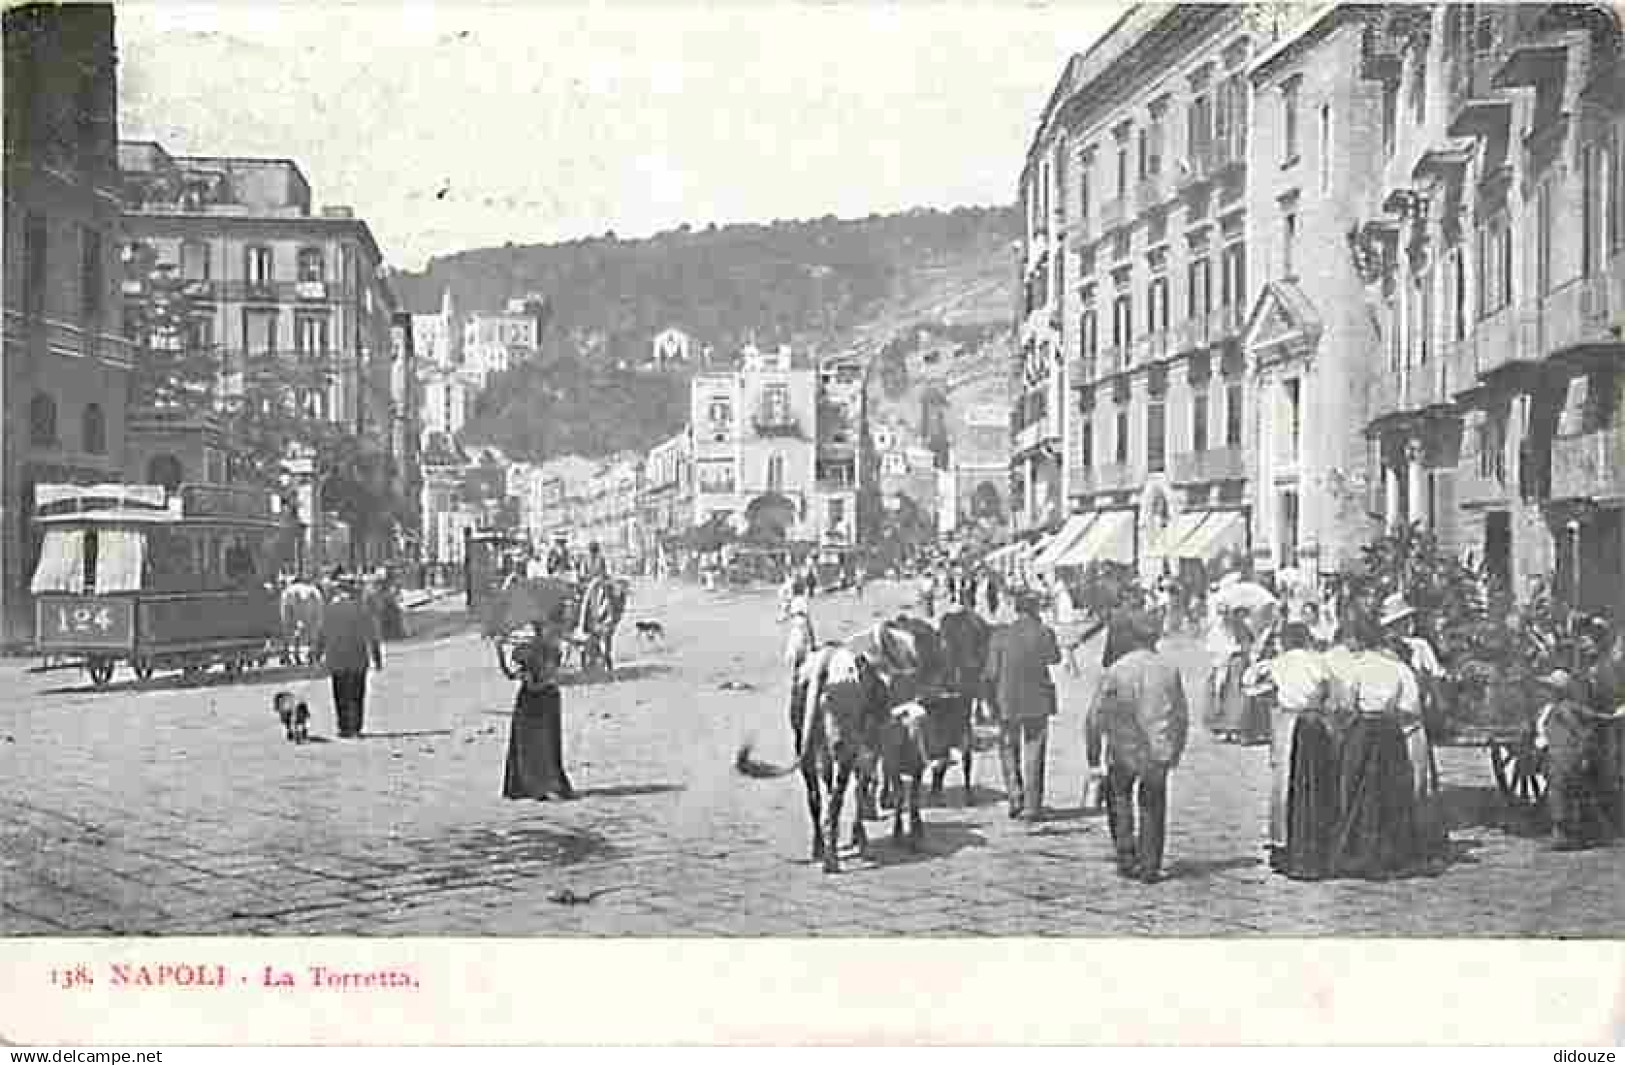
312 264
93 430
42 421
165 470
775 473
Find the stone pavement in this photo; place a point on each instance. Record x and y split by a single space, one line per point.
181 810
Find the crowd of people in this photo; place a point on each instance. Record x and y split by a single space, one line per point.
1343 694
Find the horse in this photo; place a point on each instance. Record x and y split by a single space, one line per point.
603 604
302 607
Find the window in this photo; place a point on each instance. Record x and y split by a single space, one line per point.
1122 170
310 334
1591 194
1390 109
42 420
1145 154
312 265
1086 442
1122 327
1289 241
1494 266
200 334
1289 121
1156 310
259 332
1199 131
1492 436
1294 418
775 404
1156 437
1289 530
775 472
1088 335
93 429
1153 165
36 237
1234 294
1325 155
1199 288
1199 421
1083 190
91 276
1232 416
1060 181
1543 238
1616 203
1424 315
1122 437
257 265
1456 279
194 261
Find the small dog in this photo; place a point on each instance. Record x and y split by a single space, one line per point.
650 630
294 715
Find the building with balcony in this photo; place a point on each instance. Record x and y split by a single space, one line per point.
268 278
449 385
667 503
1312 338
1494 253
492 342
1133 391
64 361
840 459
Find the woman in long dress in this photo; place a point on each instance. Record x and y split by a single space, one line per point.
535 768
1303 757
1378 833
1230 648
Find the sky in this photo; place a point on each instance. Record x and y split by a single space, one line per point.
451 126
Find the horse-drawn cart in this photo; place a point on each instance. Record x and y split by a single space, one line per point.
1498 717
579 618
158 580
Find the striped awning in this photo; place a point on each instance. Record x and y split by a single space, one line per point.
1109 538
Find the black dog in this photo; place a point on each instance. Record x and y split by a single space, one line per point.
650 630
294 715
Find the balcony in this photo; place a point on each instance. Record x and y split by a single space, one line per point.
1224 323
1191 334
1113 213
1214 464
278 291
775 426
1111 477
1111 360
1583 466
1156 347
1148 193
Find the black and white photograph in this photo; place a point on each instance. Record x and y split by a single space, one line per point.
838 470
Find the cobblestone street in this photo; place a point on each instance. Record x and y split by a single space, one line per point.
181 810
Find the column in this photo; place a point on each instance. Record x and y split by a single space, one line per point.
1391 498
1415 484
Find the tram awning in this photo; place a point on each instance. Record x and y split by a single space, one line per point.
1220 531
1109 538
1073 531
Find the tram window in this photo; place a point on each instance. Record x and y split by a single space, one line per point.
170 565
90 552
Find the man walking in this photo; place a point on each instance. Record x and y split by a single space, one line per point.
965 639
1140 711
350 644
1018 673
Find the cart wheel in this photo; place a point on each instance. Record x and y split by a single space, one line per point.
1520 772
101 671
143 668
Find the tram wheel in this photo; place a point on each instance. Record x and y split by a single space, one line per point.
143 668
101 671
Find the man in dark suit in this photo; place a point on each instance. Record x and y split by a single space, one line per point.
1023 693
350 644
965 638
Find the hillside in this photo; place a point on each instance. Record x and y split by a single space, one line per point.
824 285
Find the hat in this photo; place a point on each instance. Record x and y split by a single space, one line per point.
1558 679
1394 610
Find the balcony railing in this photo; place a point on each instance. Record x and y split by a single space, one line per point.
1192 333
1214 464
775 426
1108 477
280 291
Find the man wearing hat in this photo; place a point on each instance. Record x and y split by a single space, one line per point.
1567 731
350 644
1023 695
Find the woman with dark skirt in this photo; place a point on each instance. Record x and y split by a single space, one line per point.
1303 757
535 767
1378 832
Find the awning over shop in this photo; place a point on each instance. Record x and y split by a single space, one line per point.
1220 531
1109 538
1178 531
1075 529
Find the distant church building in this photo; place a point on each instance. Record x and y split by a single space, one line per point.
671 345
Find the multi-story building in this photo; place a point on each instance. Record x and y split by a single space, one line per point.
449 385
667 505
494 342
1493 252
406 431
562 485
842 415
755 435
1136 287
269 279
64 364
